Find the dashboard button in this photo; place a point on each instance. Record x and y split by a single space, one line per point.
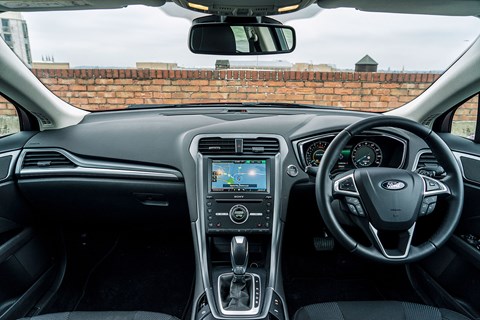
292 171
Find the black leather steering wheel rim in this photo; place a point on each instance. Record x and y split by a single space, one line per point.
454 181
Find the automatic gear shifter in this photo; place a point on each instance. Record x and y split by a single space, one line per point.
239 256
236 288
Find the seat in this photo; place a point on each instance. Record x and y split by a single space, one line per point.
103 315
374 310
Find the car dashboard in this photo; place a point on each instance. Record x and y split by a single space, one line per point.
226 172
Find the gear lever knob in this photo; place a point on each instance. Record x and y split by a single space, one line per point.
239 255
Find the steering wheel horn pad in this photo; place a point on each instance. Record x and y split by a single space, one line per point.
392 197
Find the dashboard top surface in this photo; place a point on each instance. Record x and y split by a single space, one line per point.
161 137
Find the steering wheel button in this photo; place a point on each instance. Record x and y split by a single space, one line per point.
352 200
431 207
360 210
424 209
432 185
347 185
352 208
429 200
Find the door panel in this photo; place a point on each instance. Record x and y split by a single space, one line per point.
455 268
25 254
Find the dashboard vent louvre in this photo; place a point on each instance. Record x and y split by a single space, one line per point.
268 146
428 165
46 159
427 159
216 145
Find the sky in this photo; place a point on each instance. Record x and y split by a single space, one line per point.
340 37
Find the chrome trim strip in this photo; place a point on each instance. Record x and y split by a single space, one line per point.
417 157
382 249
200 227
254 310
13 161
95 168
298 144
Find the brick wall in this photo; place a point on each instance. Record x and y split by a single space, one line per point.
103 89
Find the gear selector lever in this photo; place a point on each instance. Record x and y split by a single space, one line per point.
239 256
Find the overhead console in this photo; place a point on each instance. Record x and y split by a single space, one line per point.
238 184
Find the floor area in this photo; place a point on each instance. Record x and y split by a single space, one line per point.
124 269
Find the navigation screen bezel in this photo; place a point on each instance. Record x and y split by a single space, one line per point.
216 160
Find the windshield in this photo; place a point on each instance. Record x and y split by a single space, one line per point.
113 59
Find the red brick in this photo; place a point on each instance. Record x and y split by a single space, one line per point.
333 84
123 94
134 101
342 91
162 95
324 90
370 98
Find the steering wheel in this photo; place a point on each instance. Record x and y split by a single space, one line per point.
385 202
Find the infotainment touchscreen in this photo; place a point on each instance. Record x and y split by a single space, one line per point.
239 176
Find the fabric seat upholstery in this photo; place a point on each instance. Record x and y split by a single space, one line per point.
103 315
374 310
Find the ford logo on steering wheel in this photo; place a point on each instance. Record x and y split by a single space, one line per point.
393 185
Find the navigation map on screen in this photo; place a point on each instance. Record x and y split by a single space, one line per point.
239 175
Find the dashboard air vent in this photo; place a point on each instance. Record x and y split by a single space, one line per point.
216 145
268 146
46 159
428 165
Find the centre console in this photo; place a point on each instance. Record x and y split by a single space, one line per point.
238 187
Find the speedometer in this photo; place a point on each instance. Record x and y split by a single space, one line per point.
315 152
367 154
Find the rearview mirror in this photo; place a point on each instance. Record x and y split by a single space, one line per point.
241 38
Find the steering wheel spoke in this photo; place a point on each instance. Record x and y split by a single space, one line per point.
402 246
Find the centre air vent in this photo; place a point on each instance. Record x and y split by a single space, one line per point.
261 145
216 145
46 159
250 146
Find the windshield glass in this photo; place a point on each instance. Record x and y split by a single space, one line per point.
112 59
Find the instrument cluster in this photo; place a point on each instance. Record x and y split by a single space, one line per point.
366 150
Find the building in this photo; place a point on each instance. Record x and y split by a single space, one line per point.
50 65
157 65
366 64
253 65
15 33
313 67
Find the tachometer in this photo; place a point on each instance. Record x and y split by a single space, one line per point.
367 154
315 152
